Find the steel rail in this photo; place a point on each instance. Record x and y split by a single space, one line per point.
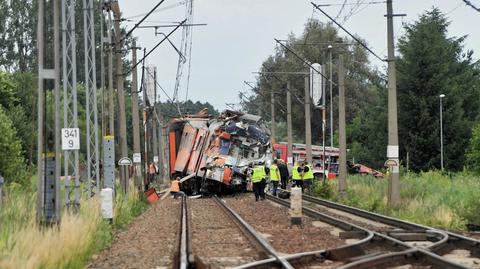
454 240
310 254
432 257
254 234
183 244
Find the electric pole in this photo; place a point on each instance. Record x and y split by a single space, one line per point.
289 125
108 106
70 110
330 48
272 114
342 179
308 127
135 120
392 148
122 134
154 118
48 141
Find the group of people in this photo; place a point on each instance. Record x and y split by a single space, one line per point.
302 176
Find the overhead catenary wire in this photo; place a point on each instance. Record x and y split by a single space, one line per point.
350 34
158 44
166 94
468 3
280 80
305 61
144 18
257 91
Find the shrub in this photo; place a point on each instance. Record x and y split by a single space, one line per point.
12 166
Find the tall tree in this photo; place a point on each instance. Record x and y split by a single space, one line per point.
432 64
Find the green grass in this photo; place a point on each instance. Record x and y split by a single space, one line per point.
71 243
447 201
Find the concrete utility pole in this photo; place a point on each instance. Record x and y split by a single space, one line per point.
272 114
330 50
48 142
308 127
289 125
392 148
135 118
122 134
154 121
108 105
342 179
324 122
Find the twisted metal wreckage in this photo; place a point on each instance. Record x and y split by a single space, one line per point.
216 151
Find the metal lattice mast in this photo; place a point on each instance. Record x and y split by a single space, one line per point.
70 119
91 97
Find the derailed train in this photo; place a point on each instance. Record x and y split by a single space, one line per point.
216 151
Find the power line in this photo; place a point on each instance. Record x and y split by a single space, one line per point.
159 10
257 91
468 3
158 44
350 34
305 61
351 4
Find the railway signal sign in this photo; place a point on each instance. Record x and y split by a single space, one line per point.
70 138
391 163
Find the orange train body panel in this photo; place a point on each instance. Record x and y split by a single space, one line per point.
197 151
185 150
173 151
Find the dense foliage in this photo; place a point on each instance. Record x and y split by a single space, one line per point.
429 64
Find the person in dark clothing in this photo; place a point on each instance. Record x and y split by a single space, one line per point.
284 175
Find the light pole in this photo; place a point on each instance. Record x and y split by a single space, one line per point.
330 47
441 131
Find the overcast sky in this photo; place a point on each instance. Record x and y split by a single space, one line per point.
239 36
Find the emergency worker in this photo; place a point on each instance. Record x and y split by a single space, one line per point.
152 170
175 188
297 172
258 176
307 175
284 174
274 176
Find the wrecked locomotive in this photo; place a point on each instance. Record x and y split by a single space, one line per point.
216 151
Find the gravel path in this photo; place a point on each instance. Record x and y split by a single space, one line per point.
149 242
273 222
215 238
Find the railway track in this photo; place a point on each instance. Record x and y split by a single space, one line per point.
454 246
208 238
432 250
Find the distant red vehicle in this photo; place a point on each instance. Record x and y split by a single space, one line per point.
299 154
331 160
364 170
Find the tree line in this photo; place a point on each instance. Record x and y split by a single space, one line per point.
429 63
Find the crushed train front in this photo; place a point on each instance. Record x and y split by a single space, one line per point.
217 150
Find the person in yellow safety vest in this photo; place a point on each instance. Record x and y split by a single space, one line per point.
297 171
307 175
258 175
274 177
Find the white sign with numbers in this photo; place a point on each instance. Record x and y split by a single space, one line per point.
70 139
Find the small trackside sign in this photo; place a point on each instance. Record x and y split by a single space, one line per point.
70 138
391 163
125 161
